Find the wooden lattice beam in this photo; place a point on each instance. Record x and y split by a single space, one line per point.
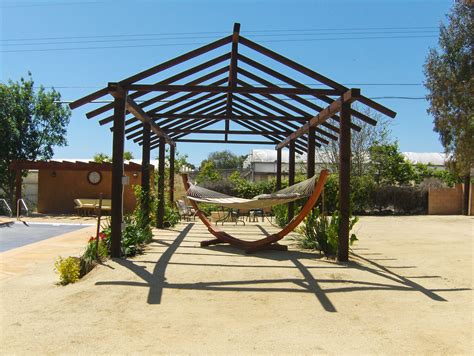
348 97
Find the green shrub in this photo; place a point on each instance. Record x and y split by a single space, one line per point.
171 217
319 232
281 214
134 237
281 211
330 193
400 200
362 188
144 203
68 269
224 186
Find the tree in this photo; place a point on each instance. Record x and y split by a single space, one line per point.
31 125
180 161
450 84
388 166
361 142
225 160
208 173
104 158
127 156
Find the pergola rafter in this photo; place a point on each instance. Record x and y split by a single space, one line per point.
215 97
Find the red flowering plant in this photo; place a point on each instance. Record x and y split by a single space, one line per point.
96 249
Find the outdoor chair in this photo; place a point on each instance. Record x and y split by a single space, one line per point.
87 207
185 212
231 215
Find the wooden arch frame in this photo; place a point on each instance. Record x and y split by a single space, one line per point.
269 242
190 101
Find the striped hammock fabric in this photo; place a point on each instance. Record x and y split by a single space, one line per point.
283 196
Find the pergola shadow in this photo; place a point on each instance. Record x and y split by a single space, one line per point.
156 280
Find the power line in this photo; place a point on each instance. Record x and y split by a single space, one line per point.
196 43
337 30
19 5
286 99
202 37
277 84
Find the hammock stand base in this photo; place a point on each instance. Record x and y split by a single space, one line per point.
269 242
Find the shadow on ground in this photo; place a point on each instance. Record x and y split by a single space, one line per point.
156 280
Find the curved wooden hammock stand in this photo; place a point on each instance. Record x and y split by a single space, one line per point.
268 242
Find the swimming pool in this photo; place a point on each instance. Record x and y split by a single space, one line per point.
17 234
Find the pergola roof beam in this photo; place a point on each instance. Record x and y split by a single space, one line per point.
183 106
196 126
327 134
230 132
189 123
297 84
154 70
247 117
258 126
168 80
143 117
185 123
236 142
175 100
282 102
310 73
285 125
232 73
216 89
348 97
273 137
289 63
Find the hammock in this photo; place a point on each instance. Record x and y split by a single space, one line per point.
310 188
297 191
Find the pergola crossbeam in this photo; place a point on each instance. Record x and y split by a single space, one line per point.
168 80
312 74
144 118
176 88
154 70
348 97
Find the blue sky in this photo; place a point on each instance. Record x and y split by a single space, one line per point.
28 28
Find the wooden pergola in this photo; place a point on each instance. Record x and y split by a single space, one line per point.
230 94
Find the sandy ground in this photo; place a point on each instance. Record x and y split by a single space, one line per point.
408 290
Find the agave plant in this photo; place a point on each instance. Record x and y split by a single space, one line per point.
320 232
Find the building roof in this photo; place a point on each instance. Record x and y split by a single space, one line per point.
76 165
429 158
270 156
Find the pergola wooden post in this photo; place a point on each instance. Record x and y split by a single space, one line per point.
278 169
160 213
145 203
291 178
310 155
171 177
120 98
344 181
